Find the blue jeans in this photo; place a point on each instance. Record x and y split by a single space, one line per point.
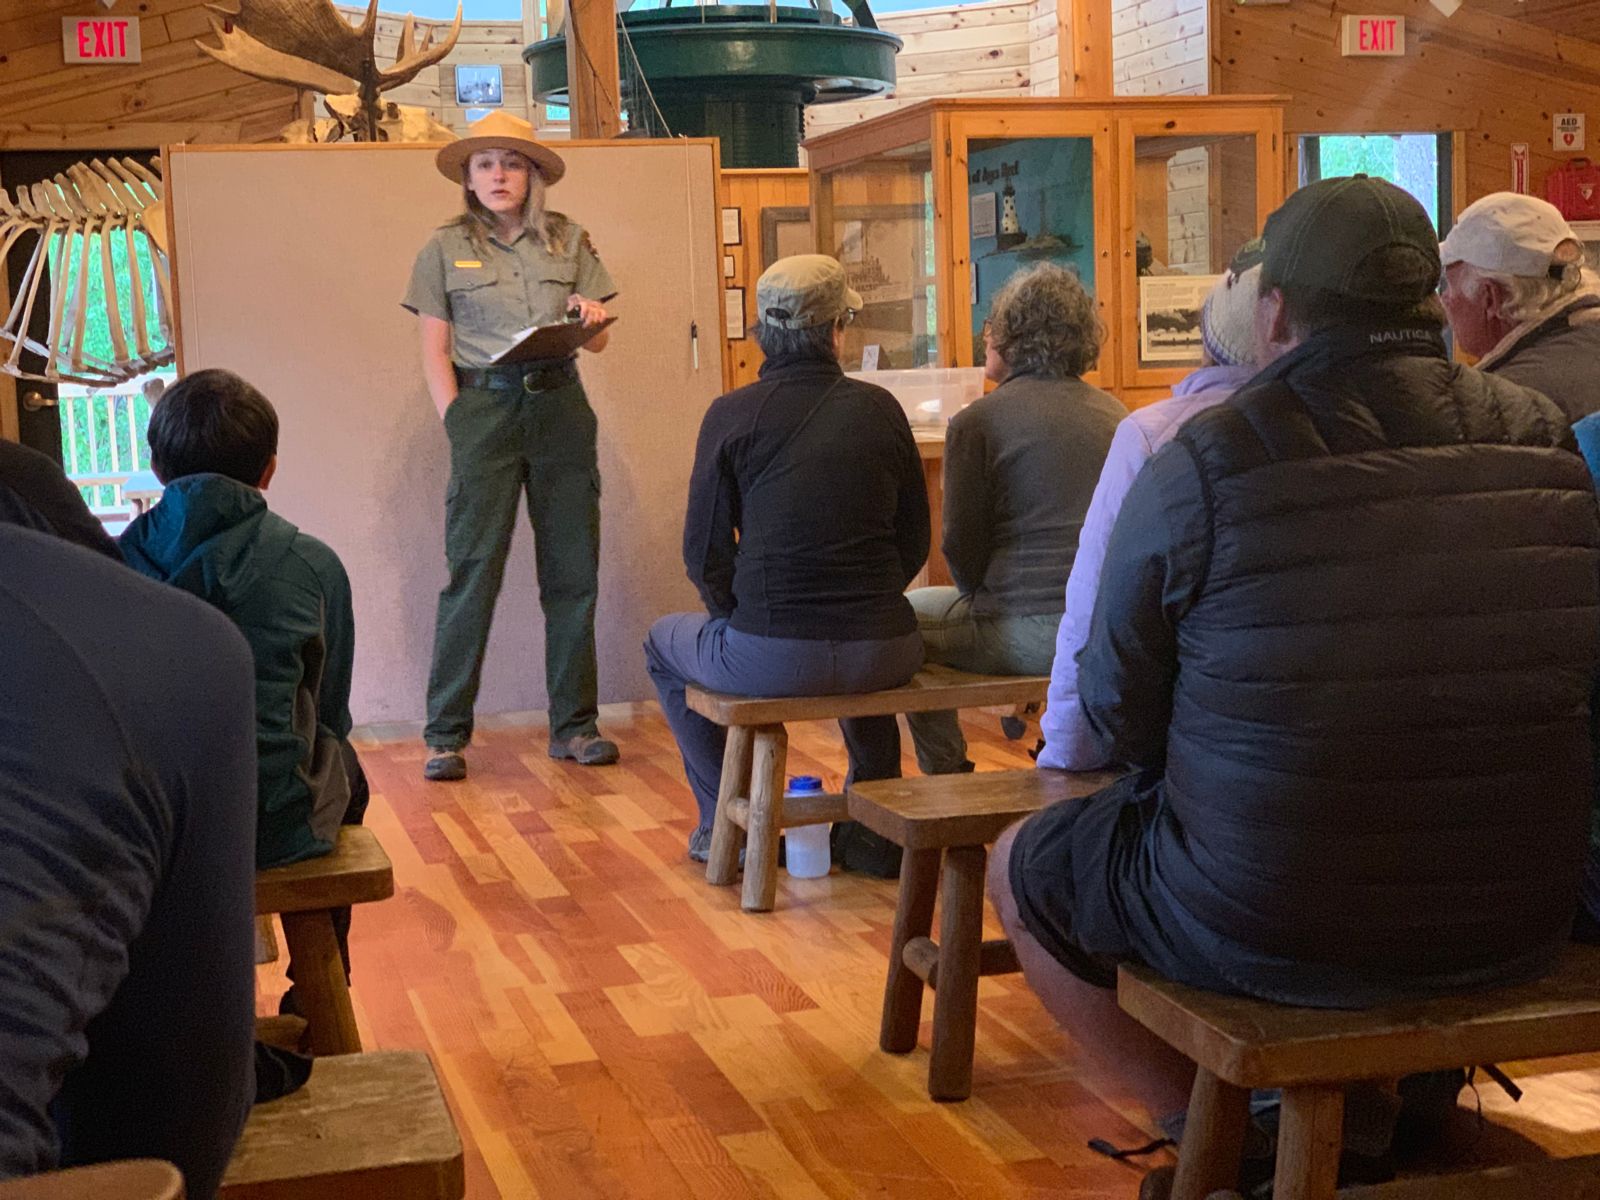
685 648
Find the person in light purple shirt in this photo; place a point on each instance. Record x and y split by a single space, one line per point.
1227 332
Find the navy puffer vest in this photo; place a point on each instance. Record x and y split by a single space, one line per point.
1379 762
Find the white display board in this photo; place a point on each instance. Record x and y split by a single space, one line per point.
290 262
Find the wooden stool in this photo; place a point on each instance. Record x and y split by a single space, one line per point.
1553 1179
750 803
304 896
364 1127
1239 1044
958 815
130 1179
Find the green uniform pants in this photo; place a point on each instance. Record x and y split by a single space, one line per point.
502 443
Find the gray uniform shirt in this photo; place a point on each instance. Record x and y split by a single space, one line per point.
490 297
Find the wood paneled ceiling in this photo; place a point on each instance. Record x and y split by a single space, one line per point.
1574 18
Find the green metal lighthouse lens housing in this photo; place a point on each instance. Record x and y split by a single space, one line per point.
732 72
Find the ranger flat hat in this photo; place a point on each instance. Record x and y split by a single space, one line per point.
500 131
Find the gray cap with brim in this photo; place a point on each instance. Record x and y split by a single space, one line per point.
804 290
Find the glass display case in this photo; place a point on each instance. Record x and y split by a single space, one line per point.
879 225
933 207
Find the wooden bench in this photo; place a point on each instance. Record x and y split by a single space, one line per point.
1239 1044
750 804
130 1179
1551 1179
364 1127
958 816
304 895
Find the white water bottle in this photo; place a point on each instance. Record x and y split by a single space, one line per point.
806 850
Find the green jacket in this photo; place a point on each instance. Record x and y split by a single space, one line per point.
290 597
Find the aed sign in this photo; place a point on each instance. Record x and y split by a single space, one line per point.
100 39
1382 37
1566 132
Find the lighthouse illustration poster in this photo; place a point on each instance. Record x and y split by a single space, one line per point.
1028 200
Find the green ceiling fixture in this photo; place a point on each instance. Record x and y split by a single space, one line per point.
743 73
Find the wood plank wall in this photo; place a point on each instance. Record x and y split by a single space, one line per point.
176 83
486 43
1495 80
1158 47
993 49
750 192
1013 49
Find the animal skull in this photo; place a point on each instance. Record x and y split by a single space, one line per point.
307 44
396 123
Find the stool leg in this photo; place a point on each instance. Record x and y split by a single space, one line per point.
320 989
1310 1136
1213 1138
722 864
955 998
768 762
913 918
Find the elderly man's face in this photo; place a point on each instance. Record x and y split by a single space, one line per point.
1474 311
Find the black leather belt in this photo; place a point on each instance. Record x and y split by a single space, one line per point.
520 377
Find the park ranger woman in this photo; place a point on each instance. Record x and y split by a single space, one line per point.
506 264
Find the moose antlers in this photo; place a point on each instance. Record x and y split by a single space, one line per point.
308 44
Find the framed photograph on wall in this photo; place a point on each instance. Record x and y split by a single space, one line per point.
479 86
881 249
785 231
1169 316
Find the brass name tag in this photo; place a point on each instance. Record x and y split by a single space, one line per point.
468 262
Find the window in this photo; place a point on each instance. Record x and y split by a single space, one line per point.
1417 162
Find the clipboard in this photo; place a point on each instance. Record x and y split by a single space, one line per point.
550 343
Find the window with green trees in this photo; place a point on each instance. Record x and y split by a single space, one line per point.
1417 162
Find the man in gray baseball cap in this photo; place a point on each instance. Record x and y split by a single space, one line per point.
808 517
1520 298
1344 636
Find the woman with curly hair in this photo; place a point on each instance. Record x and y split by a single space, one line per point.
1020 467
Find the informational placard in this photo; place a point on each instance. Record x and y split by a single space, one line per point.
1519 168
100 40
1169 316
733 313
1373 37
983 215
869 357
731 231
1566 133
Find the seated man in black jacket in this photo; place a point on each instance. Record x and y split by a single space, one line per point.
127 869
808 516
1345 638
36 494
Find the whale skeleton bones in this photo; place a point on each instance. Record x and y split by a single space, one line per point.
116 200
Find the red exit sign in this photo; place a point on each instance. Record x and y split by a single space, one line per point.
1373 36
100 39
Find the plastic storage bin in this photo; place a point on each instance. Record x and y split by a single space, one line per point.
929 395
806 847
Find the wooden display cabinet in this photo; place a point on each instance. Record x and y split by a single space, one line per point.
932 207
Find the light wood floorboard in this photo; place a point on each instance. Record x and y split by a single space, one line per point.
606 1025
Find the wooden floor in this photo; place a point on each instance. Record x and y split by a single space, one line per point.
607 1025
